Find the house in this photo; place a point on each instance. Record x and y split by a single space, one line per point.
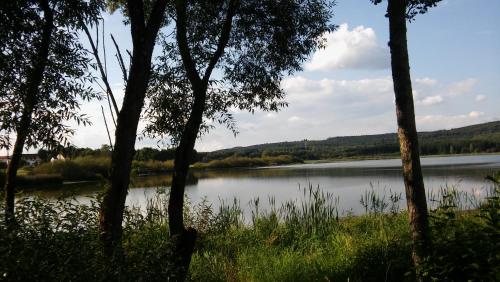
59 157
29 159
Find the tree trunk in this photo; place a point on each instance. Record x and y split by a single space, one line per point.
10 179
30 93
113 204
407 133
184 239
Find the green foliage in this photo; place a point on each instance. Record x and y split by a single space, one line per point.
303 240
237 161
152 167
465 244
81 168
34 180
481 138
415 7
250 44
66 78
97 167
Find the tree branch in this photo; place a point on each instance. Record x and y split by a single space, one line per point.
104 78
107 129
192 73
223 40
155 20
120 59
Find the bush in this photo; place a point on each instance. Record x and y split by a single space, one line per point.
466 245
34 180
298 241
240 162
81 168
152 167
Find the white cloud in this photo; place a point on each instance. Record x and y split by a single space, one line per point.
431 100
480 98
320 108
434 122
350 49
462 87
475 114
426 81
294 119
309 91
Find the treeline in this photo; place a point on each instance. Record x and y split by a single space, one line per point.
141 155
481 138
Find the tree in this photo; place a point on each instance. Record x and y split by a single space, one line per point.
250 45
43 76
146 19
398 12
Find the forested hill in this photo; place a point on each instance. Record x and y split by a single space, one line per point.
480 138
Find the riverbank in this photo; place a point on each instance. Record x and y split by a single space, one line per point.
305 241
392 156
156 173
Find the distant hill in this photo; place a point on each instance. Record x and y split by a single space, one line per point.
480 138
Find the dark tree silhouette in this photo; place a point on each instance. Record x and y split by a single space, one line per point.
398 12
146 19
43 74
227 53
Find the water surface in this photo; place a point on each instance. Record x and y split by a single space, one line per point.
347 180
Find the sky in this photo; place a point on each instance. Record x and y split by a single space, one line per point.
346 88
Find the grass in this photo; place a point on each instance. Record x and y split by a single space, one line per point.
296 241
81 168
152 167
96 168
25 180
241 162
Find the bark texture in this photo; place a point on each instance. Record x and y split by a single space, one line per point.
143 39
407 133
29 100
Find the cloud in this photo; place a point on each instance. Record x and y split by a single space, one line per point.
480 98
350 49
462 87
431 100
433 122
475 114
294 119
426 81
323 107
304 90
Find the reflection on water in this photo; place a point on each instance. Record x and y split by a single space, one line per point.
348 180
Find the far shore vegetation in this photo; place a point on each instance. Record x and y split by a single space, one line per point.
86 164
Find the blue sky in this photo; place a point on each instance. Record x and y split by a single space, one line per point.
346 89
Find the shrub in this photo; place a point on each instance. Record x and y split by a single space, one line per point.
152 166
298 241
466 244
81 168
239 162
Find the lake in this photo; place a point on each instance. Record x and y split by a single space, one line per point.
346 180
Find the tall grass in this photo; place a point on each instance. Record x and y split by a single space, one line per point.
152 167
304 240
240 162
81 168
96 168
